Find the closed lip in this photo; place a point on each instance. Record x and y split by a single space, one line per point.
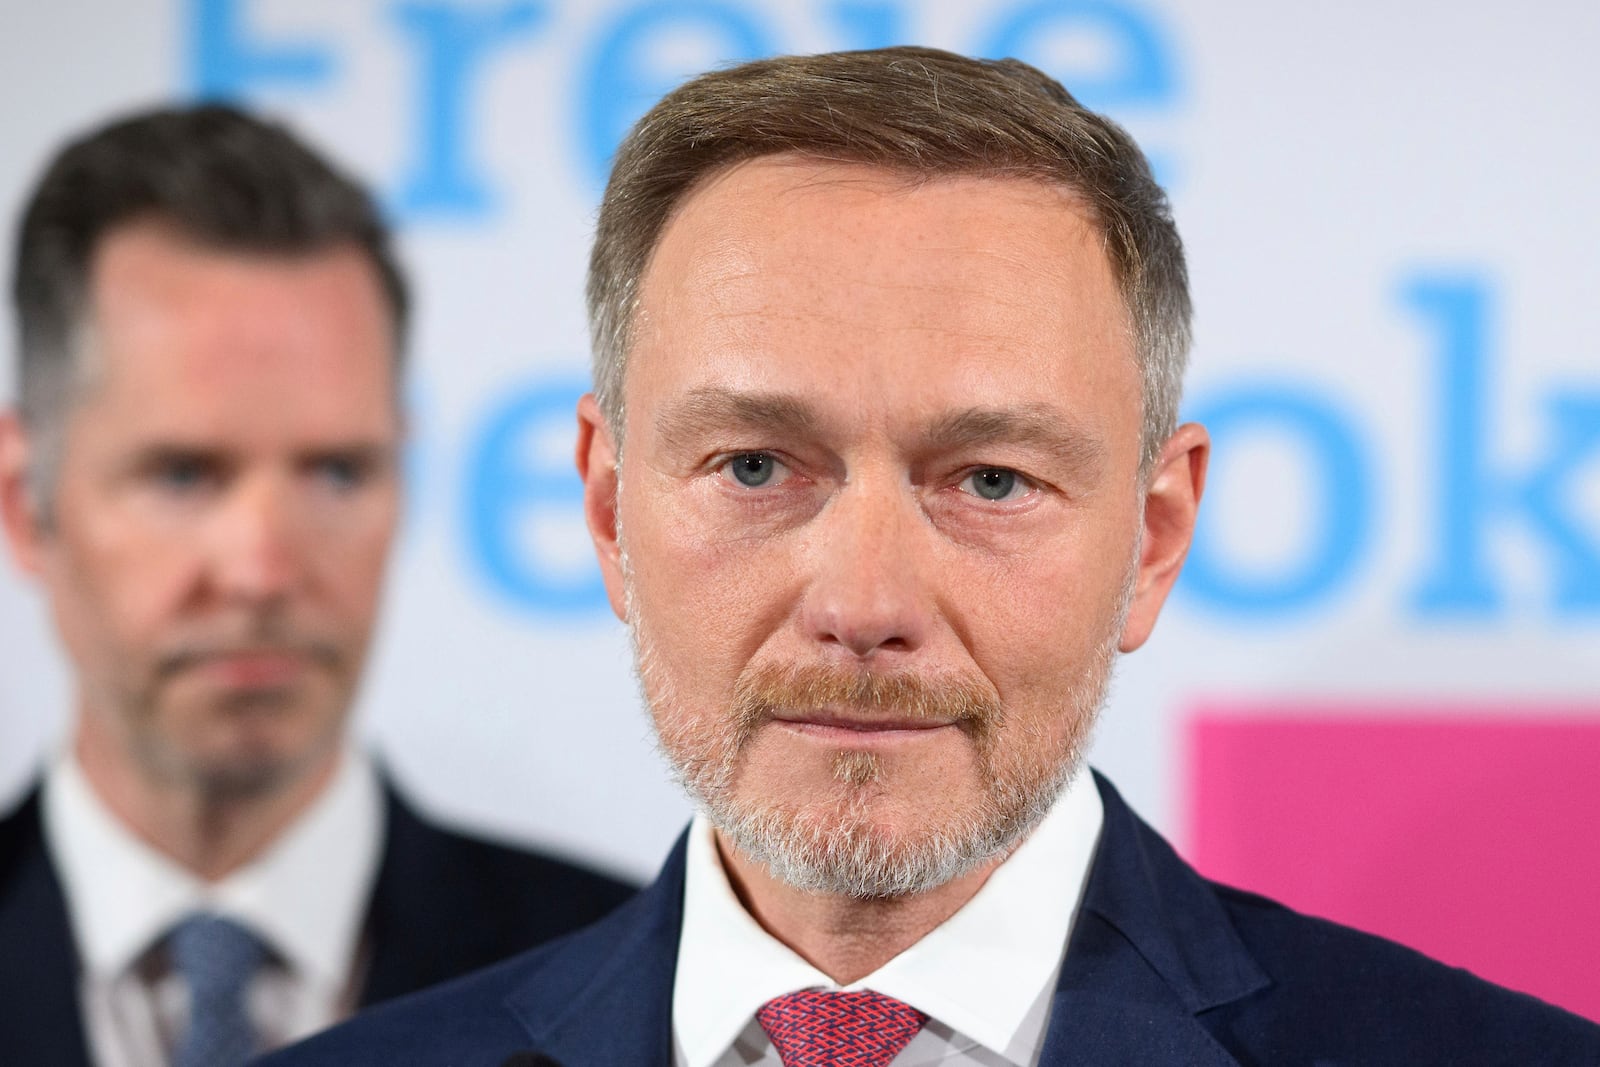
254 666
861 723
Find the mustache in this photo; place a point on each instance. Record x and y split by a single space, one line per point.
761 693
270 638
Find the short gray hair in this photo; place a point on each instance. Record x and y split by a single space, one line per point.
920 111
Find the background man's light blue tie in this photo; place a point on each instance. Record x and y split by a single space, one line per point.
217 957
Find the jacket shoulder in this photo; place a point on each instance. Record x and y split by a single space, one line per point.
20 832
38 962
1273 985
498 869
474 1018
463 1020
461 866
447 902
1366 999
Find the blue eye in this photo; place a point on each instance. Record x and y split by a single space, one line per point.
183 474
753 469
993 483
342 474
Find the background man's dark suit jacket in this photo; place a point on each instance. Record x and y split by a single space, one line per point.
1164 967
443 904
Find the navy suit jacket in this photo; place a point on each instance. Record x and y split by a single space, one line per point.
443 904
1163 967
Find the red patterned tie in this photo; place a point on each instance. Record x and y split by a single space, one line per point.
816 1029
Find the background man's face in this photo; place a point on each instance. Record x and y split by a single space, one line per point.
880 510
223 506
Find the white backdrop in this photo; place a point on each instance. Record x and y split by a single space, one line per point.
1389 209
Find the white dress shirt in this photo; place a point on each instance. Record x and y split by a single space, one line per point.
305 898
985 977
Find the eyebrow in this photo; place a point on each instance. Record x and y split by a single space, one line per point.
716 407
163 450
1032 425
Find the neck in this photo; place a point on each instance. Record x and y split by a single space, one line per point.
211 833
846 938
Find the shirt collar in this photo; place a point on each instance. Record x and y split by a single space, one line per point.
982 972
305 896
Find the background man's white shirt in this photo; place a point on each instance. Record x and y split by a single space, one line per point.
985 977
305 898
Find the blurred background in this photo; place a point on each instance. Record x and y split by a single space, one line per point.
1376 693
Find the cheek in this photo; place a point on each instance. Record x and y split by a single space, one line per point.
353 566
1034 624
112 584
707 604
339 549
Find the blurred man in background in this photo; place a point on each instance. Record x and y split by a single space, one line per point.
883 469
203 477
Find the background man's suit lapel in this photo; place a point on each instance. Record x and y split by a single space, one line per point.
414 939
1151 951
39 1012
445 904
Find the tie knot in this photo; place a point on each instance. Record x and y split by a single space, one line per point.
813 1028
215 956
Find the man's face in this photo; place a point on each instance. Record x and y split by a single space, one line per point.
214 545
878 528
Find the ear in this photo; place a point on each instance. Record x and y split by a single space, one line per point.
1171 502
597 466
19 511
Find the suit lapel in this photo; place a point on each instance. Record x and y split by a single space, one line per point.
40 1022
407 923
1152 951
1111 1007
614 980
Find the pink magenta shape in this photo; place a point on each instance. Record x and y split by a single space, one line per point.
1469 835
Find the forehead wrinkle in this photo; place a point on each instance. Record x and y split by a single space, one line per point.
712 407
1029 424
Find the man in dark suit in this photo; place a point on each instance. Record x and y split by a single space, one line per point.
894 341
203 477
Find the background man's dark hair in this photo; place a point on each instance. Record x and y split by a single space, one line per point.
220 178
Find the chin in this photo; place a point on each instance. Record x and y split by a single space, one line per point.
881 828
856 855
242 760
863 843
243 778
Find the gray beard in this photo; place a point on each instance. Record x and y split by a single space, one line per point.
842 852
848 858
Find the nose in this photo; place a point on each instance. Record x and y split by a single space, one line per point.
866 594
255 554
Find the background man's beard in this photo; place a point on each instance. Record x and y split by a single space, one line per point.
157 726
239 771
839 847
